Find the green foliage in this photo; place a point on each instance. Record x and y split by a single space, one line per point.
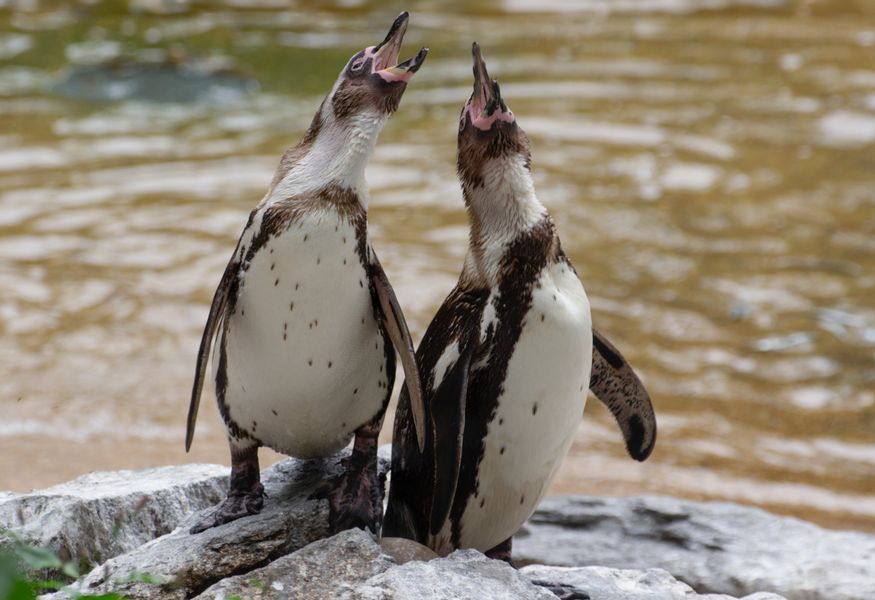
22 567
138 577
256 583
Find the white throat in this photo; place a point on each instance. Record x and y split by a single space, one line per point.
504 207
339 154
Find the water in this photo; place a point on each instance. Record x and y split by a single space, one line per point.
709 165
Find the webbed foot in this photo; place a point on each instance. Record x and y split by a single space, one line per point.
235 506
355 497
245 492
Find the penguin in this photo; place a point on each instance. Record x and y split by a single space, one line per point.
507 360
304 319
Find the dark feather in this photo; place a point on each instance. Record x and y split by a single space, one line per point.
396 326
217 313
616 385
411 494
447 411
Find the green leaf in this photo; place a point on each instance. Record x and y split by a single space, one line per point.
20 590
48 584
256 583
38 558
70 570
136 576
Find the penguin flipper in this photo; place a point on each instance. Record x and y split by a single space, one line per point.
396 326
616 385
217 312
448 425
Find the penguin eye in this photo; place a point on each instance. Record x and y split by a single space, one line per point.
358 64
462 122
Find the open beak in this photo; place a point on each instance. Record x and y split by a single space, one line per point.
486 105
386 54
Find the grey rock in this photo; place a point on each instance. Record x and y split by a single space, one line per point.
711 546
403 550
465 574
720 550
100 515
323 569
602 583
351 565
185 564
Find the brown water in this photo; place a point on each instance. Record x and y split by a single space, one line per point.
711 171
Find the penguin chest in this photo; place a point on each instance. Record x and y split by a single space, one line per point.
538 410
304 359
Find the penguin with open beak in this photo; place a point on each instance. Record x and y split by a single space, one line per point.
305 323
506 362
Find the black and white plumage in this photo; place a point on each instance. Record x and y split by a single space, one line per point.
304 318
506 361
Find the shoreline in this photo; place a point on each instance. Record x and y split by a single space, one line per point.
581 473
122 523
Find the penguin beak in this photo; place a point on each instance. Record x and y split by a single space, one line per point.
486 106
385 55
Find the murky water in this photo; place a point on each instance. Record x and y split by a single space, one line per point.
710 165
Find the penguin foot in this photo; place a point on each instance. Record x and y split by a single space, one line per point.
355 497
238 504
562 591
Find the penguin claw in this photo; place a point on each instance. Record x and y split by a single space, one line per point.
355 497
235 506
562 590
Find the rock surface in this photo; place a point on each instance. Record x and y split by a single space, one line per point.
463 574
100 515
187 564
712 546
321 570
636 548
602 583
352 566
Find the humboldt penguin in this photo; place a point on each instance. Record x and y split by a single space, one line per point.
304 319
507 360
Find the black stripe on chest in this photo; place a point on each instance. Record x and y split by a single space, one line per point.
413 477
525 259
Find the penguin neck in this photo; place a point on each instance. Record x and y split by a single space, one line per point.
499 211
332 151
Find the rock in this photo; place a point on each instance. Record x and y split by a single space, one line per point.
185 564
100 515
711 546
403 550
351 565
320 570
465 574
602 583
709 549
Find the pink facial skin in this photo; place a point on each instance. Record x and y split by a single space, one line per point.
395 74
387 55
486 96
484 122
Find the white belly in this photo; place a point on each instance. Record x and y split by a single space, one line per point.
538 413
305 358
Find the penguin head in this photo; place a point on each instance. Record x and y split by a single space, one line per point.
490 140
372 82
